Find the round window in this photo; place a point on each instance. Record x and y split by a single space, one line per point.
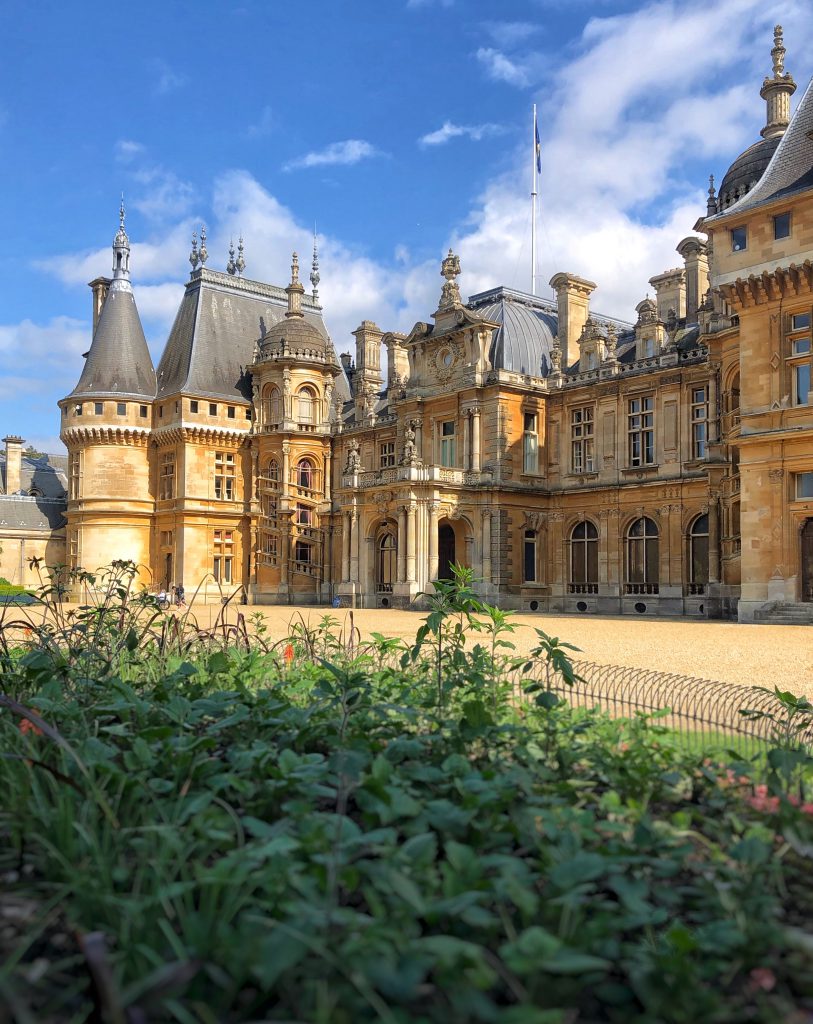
446 357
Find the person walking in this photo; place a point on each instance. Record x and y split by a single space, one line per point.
180 596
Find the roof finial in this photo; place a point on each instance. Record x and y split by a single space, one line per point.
231 266
315 278
450 293
121 249
204 252
240 263
194 258
777 90
295 291
711 202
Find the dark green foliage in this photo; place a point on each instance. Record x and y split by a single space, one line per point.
323 832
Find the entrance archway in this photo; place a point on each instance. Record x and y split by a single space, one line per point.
386 562
446 551
807 560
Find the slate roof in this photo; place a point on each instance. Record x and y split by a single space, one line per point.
791 167
47 475
211 344
19 512
118 363
746 171
529 326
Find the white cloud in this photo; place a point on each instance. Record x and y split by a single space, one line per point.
507 34
166 78
337 153
263 126
449 130
127 150
501 68
41 362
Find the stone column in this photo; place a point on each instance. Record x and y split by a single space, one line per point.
713 421
487 547
286 469
603 548
354 546
417 426
714 539
327 476
284 542
433 453
475 440
410 553
402 519
433 541
466 441
346 547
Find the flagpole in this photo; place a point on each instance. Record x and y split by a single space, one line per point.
533 204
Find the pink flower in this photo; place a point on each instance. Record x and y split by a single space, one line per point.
762 978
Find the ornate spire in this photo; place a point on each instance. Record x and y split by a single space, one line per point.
450 294
295 291
121 249
315 270
240 263
231 266
711 202
777 90
204 252
194 257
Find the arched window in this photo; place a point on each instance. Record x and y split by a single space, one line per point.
584 558
305 474
272 471
385 574
699 555
307 405
272 405
735 393
642 557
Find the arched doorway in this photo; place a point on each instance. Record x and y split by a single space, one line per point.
386 563
446 551
807 560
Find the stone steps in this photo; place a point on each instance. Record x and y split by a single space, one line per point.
779 613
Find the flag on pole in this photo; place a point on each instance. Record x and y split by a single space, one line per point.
537 145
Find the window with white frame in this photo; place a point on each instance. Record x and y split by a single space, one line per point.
166 477
582 439
641 431
448 450
699 419
799 356
223 558
224 476
530 443
804 485
386 454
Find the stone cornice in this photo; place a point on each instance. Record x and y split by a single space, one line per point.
201 435
133 436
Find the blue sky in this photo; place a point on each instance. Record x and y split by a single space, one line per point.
399 126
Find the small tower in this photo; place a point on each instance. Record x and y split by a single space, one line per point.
777 90
106 426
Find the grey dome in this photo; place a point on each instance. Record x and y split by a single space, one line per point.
523 342
746 171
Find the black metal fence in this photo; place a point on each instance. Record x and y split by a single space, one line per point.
700 712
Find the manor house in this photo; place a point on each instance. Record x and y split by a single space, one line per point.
576 462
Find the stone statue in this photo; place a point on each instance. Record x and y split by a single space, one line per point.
353 464
409 456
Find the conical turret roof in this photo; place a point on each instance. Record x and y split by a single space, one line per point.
118 363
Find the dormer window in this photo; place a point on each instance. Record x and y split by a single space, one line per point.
648 348
739 239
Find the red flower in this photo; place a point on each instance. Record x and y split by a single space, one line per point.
27 726
288 653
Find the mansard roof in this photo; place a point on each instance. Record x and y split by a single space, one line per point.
21 512
528 326
211 344
791 167
118 364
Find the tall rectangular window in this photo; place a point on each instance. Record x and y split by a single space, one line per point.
699 415
641 431
224 476
74 476
223 559
798 356
166 477
386 454
582 440
448 453
530 444
529 556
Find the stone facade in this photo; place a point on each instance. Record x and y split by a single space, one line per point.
574 461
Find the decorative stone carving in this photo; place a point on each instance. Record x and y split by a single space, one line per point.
409 456
450 294
353 463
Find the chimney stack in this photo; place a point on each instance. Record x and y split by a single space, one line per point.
573 302
100 287
14 455
397 358
696 261
670 292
